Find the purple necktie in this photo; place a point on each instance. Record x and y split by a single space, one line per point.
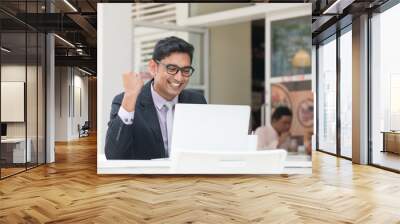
169 120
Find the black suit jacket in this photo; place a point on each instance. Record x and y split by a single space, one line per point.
141 140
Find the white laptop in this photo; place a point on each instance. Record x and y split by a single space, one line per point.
213 139
199 127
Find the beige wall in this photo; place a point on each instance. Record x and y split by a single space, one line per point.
62 81
80 102
71 87
17 73
230 64
34 125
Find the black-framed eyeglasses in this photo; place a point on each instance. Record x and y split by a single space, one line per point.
174 69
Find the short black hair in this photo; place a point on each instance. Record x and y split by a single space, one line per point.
169 45
280 112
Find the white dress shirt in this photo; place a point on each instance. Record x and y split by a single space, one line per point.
268 137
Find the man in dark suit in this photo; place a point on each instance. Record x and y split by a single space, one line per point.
140 125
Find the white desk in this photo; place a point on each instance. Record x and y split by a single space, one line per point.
19 154
295 164
298 163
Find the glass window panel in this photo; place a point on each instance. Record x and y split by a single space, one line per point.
296 95
346 94
385 89
291 56
327 96
291 47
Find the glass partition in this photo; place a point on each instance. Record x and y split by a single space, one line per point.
22 88
290 81
291 47
41 96
14 153
31 99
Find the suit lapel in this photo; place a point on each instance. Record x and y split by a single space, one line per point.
182 97
150 113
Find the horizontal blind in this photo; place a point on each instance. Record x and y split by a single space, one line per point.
154 12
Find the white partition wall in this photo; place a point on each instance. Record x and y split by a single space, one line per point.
114 57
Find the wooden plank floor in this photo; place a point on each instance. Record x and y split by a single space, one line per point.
10 171
70 191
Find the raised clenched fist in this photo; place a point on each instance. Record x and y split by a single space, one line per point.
133 84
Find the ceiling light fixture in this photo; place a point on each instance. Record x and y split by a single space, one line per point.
337 7
5 50
64 40
331 7
70 5
84 71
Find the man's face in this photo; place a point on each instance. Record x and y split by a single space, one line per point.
167 85
283 124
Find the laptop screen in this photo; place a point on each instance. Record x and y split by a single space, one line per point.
204 127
